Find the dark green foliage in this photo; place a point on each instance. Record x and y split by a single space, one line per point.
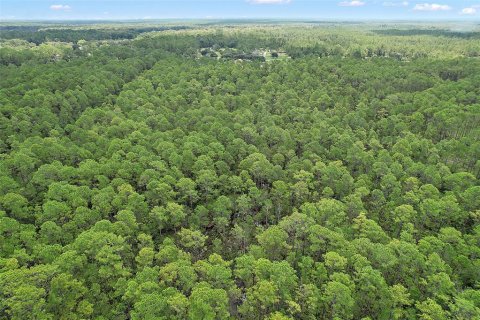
141 179
38 35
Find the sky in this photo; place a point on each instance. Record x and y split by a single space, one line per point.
468 10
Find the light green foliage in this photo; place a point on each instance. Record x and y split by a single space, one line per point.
207 303
181 175
274 242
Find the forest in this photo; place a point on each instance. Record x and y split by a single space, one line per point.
256 171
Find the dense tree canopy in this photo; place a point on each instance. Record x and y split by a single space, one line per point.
299 172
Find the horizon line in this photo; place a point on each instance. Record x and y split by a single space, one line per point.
473 19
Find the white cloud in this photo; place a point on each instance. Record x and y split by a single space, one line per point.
431 7
471 10
354 3
396 4
268 1
58 7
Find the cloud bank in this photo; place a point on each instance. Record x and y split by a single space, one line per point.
431 7
354 3
471 10
58 7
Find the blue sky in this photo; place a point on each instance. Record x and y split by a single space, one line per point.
224 9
